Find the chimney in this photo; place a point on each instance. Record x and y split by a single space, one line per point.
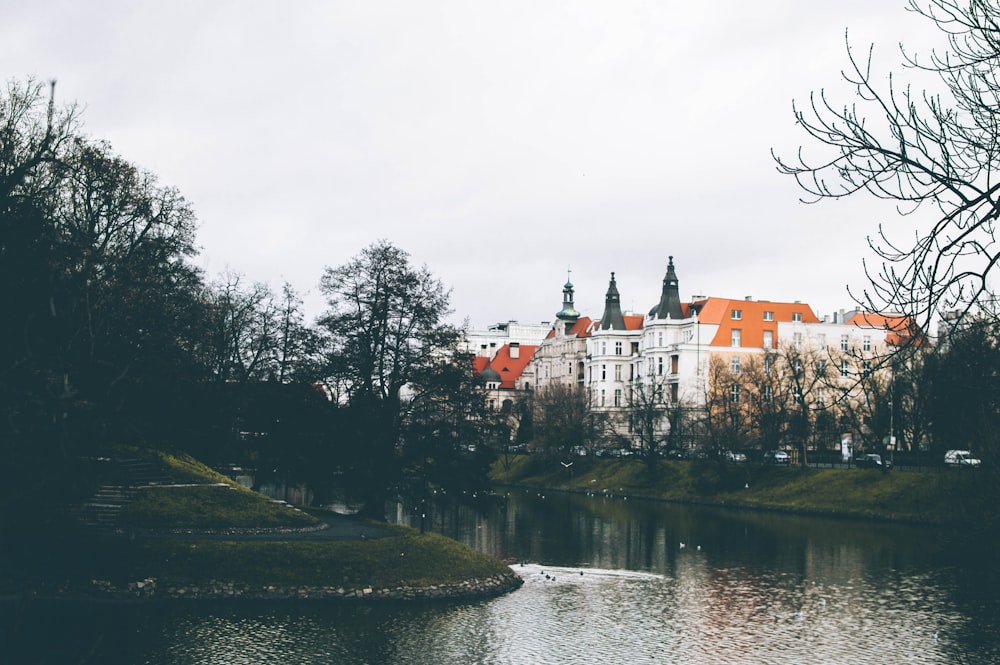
515 350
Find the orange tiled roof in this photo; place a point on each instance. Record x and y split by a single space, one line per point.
633 322
510 369
751 323
579 329
899 328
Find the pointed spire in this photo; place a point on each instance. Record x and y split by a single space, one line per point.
568 314
669 306
612 319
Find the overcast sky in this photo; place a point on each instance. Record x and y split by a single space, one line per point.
499 143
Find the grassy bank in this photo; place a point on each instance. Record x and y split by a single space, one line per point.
933 497
72 560
407 559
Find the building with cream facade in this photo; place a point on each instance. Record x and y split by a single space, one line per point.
672 354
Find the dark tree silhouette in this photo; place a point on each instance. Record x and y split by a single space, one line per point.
385 328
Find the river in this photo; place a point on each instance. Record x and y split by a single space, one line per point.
609 580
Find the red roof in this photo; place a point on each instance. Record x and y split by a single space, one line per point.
509 369
633 322
579 329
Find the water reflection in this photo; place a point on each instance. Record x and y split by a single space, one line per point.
609 581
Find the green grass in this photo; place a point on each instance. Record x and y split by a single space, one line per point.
938 497
210 507
411 559
65 561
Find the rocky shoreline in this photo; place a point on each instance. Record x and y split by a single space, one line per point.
149 589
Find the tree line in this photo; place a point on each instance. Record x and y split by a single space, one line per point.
804 396
111 335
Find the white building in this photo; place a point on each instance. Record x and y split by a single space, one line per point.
621 358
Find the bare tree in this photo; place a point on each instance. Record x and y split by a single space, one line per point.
245 330
564 419
934 153
727 419
648 412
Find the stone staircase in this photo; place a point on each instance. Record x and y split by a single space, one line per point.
100 512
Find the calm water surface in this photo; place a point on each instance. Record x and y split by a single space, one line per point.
612 581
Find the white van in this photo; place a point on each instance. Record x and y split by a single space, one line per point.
960 458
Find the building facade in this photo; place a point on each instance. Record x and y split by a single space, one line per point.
684 354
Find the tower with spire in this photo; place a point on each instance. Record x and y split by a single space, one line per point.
612 318
669 306
568 315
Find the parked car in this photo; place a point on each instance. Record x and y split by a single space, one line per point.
960 458
777 457
735 456
675 453
872 461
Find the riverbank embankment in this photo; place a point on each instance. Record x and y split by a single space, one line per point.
953 497
194 534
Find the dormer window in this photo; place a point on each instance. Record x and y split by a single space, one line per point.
737 314
797 316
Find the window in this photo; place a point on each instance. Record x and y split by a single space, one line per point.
767 394
688 335
618 374
796 316
768 339
737 314
604 348
868 368
659 339
769 316
734 364
845 368
660 370
569 371
768 365
798 340
734 393
866 342
821 368
821 396
604 372
736 337
618 397
821 340
673 393
674 361
651 367
618 348
602 397
845 343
